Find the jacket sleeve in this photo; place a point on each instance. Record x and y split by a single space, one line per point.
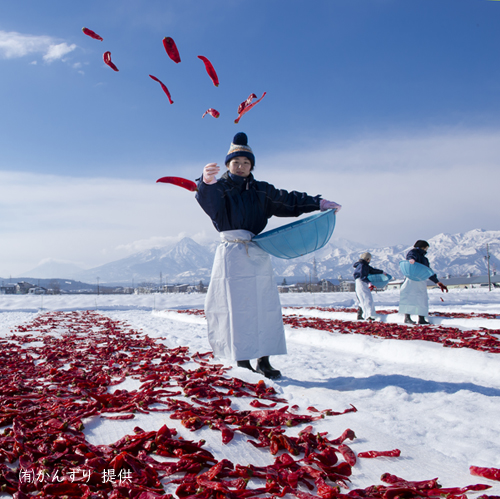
281 203
211 199
372 270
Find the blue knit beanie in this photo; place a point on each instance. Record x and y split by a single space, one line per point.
240 147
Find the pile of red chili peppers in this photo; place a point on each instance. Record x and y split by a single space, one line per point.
485 340
57 372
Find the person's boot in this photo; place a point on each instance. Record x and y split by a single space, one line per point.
246 364
265 368
408 319
360 314
421 320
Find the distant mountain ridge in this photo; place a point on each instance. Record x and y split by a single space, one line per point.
189 262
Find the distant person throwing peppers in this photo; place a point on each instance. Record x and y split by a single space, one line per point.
413 298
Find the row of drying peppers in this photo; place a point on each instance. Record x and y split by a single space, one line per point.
173 52
482 339
453 315
56 375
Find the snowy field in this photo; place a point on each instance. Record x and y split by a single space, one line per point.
440 406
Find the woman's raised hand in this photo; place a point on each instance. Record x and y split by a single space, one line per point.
209 173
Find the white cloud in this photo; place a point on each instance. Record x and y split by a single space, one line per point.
14 45
58 51
393 190
400 187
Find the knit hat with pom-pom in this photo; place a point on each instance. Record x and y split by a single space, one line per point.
240 147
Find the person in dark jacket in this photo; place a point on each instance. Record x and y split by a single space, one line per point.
413 298
364 287
242 306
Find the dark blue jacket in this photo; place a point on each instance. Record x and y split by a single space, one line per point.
236 202
418 254
363 270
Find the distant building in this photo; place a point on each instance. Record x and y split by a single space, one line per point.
23 287
8 289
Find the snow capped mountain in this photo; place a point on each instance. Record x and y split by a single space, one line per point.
189 262
185 261
454 255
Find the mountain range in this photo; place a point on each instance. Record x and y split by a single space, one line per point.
189 262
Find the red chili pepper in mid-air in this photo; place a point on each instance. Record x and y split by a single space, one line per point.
181 182
171 49
107 60
92 34
210 70
246 105
213 112
383 453
491 473
163 86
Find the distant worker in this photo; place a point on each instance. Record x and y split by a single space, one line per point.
363 286
413 298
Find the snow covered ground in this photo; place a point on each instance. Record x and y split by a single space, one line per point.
439 406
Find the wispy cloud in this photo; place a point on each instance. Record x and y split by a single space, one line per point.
15 45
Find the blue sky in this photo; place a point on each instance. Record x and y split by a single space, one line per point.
389 107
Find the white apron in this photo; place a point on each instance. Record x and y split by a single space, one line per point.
413 298
365 299
242 306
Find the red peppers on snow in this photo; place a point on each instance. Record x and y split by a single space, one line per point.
163 86
60 368
171 49
210 70
181 182
92 34
107 60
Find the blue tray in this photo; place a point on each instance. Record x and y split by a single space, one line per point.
415 272
298 238
379 280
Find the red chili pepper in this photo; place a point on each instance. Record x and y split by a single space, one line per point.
227 433
107 60
124 416
245 106
92 34
491 473
181 182
348 454
384 453
401 482
210 70
348 434
163 86
213 112
457 490
171 49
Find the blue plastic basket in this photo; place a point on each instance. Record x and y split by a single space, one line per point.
415 271
298 238
379 280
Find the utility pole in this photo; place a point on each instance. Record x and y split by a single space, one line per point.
488 262
98 286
